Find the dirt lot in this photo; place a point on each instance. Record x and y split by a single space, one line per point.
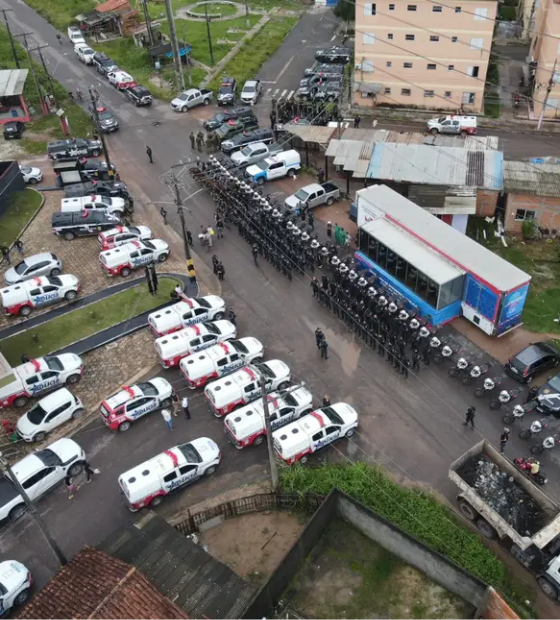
349 576
254 544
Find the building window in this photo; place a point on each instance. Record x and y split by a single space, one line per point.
472 71
428 93
457 9
468 98
389 63
368 38
523 215
369 9
387 91
405 92
431 67
407 65
409 37
451 67
367 66
480 14
391 7
411 7
434 38
390 36
448 94
453 39
476 44
436 9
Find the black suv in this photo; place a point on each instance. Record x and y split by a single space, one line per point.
139 95
533 359
63 150
227 115
100 188
329 91
107 120
240 140
13 129
321 69
227 91
82 223
334 55
103 63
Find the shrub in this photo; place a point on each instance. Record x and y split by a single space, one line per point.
529 229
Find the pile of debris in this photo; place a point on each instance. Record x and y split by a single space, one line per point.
503 494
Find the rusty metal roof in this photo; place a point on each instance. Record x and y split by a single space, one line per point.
538 179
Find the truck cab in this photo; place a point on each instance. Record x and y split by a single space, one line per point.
282 164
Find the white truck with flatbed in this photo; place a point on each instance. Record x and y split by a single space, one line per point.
505 504
190 99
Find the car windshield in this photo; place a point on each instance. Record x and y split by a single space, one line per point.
238 346
265 370
247 151
21 268
227 89
212 329
202 302
107 62
53 363
54 281
88 51
36 414
148 389
529 355
190 453
141 91
183 96
48 457
223 130
25 169
105 116
290 400
332 415
440 120
263 164
301 195
150 245
554 383
249 89
219 118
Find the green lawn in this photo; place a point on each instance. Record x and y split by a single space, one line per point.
22 207
157 9
64 330
61 14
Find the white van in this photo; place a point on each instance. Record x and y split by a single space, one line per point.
246 426
149 483
464 125
280 165
75 35
297 440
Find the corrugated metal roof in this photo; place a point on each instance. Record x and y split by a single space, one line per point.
420 163
413 251
12 82
523 178
457 247
311 133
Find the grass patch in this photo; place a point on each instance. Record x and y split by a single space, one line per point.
157 9
492 110
255 52
61 14
64 330
22 207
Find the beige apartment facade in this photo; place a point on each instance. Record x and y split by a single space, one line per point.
418 53
545 51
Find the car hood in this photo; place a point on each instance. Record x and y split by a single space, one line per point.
24 426
215 301
69 280
291 201
253 170
178 102
162 386
13 574
11 276
238 158
207 448
433 121
227 328
253 346
346 412
70 361
66 449
278 367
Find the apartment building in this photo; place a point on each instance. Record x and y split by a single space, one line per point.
545 52
419 53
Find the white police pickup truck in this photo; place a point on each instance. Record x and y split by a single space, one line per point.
15 585
119 235
123 259
120 410
220 360
278 166
172 348
186 312
296 441
105 204
20 299
243 386
246 426
150 482
39 376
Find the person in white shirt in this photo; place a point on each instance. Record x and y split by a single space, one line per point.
166 414
185 405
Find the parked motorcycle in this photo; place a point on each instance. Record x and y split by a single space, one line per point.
518 412
446 352
504 397
536 428
460 367
547 444
532 469
489 385
476 372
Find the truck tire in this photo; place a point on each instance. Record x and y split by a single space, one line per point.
258 440
20 402
125 272
96 153
69 236
549 589
330 201
292 173
184 109
467 510
206 101
508 418
486 529
25 310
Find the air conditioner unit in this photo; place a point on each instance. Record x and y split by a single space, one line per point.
357 65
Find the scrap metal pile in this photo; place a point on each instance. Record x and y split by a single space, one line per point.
503 494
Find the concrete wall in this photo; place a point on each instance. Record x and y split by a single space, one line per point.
486 201
547 211
435 566
458 45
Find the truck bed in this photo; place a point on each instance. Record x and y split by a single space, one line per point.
330 187
509 501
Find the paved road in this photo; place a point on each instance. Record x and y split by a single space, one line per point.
414 428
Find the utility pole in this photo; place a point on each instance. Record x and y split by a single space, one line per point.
545 102
12 44
99 132
180 208
179 76
209 35
32 67
247 14
271 457
5 466
148 22
187 56
49 78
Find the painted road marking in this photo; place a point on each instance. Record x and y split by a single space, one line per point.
284 69
291 94
283 93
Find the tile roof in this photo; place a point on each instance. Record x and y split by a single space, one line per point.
112 5
96 585
521 177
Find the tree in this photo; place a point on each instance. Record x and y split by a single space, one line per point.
346 10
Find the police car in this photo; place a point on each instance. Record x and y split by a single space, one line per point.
39 376
185 313
49 413
321 427
105 204
38 473
220 360
23 297
246 426
63 150
149 483
172 348
119 235
15 585
240 388
120 261
132 402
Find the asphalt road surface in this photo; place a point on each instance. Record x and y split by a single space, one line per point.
413 427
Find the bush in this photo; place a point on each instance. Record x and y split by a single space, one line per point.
529 229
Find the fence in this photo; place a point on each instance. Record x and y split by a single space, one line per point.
11 181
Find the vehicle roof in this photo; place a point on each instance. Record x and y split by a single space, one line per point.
126 394
240 378
250 83
535 351
54 399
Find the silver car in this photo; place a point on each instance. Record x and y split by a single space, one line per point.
44 264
